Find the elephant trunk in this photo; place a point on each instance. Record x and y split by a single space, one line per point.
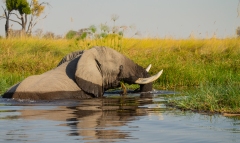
146 87
146 83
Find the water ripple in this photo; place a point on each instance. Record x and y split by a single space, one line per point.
112 119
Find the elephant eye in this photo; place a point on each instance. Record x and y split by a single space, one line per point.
120 71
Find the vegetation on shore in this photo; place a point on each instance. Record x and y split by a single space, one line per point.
210 98
211 66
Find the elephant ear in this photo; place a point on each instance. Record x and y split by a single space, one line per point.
88 73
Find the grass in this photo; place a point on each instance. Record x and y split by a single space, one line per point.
211 66
211 98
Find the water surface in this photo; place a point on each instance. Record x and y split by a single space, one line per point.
112 119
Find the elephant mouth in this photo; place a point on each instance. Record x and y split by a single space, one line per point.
149 79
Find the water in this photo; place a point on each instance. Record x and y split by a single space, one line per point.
113 119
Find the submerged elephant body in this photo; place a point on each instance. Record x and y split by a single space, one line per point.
57 83
81 74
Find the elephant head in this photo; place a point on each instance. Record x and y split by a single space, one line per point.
102 68
88 74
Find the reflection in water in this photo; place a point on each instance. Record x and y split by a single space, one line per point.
91 118
112 119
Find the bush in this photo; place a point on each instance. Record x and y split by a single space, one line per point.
71 34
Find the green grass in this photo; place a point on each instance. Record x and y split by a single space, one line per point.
210 98
209 66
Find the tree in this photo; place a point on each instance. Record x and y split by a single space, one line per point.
37 10
80 34
22 6
7 16
71 34
93 30
238 31
10 6
38 33
34 9
49 35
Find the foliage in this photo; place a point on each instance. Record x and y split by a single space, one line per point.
83 35
37 8
93 28
22 6
71 34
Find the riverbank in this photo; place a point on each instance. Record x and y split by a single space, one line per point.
211 67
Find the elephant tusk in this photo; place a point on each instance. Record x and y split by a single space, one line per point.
149 79
148 68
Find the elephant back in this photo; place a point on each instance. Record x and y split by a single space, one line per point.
70 57
58 83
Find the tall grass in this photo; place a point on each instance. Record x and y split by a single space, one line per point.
186 63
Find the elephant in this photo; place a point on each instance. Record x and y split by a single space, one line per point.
82 75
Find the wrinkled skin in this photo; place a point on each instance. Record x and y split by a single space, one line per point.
81 74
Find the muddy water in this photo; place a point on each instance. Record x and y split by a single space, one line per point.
113 119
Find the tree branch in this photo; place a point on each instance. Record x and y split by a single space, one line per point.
29 29
45 3
38 21
33 23
25 20
15 21
4 10
16 15
30 5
